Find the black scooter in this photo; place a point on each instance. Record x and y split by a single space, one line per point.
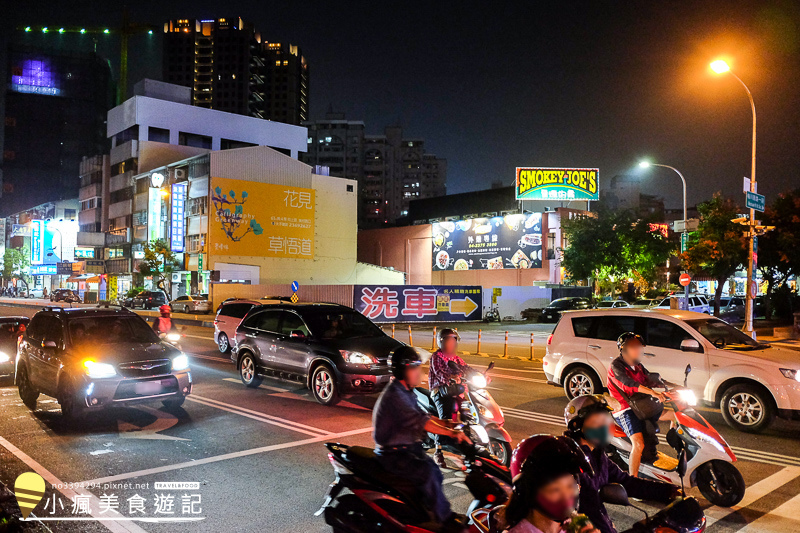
373 502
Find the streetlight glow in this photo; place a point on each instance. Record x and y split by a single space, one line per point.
644 164
720 67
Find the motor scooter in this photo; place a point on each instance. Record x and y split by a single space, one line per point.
482 418
703 455
376 500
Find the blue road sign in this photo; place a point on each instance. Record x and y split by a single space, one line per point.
295 286
755 201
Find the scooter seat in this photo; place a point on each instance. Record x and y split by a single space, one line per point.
665 462
367 462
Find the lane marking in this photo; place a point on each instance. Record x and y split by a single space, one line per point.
227 456
209 357
105 518
261 386
267 419
198 336
754 493
517 378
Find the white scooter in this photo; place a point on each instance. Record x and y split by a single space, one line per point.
703 455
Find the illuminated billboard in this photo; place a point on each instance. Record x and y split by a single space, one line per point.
35 76
560 184
53 241
261 219
512 241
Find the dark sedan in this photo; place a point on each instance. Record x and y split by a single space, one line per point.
553 311
331 348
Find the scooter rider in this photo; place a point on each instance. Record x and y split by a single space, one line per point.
163 324
443 393
627 374
588 420
399 427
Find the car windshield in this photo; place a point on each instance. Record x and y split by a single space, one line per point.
86 331
643 302
723 335
560 304
341 324
724 301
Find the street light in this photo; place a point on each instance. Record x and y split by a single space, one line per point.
684 235
721 67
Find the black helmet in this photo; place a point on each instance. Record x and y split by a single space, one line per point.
402 358
628 336
445 333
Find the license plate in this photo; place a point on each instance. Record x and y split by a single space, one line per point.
147 387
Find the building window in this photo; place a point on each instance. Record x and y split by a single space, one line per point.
159 135
90 203
193 139
130 134
228 144
196 206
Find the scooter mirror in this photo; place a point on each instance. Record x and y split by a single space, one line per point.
614 493
682 463
491 366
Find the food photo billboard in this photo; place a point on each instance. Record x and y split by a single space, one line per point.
511 241
564 184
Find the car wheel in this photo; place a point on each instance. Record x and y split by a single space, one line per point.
174 403
185 308
720 483
26 391
747 408
223 344
581 381
324 386
248 371
72 407
500 449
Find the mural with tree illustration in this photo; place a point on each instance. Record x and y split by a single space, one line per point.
230 214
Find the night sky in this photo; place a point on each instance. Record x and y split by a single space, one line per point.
495 85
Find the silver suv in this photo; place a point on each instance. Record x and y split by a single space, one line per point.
697 303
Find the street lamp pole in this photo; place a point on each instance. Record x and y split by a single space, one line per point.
684 236
721 67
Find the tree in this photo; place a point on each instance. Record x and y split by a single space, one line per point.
15 261
159 261
611 246
718 248
779 250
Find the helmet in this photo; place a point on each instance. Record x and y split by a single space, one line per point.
548 457
581 407
628 336
164 310
403 358
445 333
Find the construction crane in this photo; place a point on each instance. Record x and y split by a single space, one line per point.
125 31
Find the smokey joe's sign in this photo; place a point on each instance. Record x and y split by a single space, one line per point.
512 241
558 184
418 303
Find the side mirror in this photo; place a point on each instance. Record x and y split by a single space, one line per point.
688 368
691 345
297 334
49 344
491 366
614 493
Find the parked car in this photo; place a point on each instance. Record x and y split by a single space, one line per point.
191 304
697 303
90 359
731 309
229 315
331 348
750 382
11 328
36 292
646 303
552 312
611 304
149 299
65 295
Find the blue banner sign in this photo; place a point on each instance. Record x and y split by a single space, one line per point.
178 217
419 303
44 270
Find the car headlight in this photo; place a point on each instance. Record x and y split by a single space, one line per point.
791 374
479 381
99 370
687 396
180 362
174 337
357 358
4 357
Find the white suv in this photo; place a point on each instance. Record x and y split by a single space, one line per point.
697 302
750 382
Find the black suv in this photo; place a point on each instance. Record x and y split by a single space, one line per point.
552 312
92 358
149 299
65 295
331 348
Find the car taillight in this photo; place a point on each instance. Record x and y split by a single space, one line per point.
550 339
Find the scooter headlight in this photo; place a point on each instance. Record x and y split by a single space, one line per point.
173 337
687 396
702 437
4 357
479 381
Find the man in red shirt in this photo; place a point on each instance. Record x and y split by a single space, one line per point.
627 376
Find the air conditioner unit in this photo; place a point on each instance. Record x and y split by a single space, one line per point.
176 277
180 174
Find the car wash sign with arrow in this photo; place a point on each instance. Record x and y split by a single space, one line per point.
418 303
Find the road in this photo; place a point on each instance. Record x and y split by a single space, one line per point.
258 459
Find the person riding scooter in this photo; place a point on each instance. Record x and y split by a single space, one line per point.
545 496
444 380
163 324
588 420
400 425
627 377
